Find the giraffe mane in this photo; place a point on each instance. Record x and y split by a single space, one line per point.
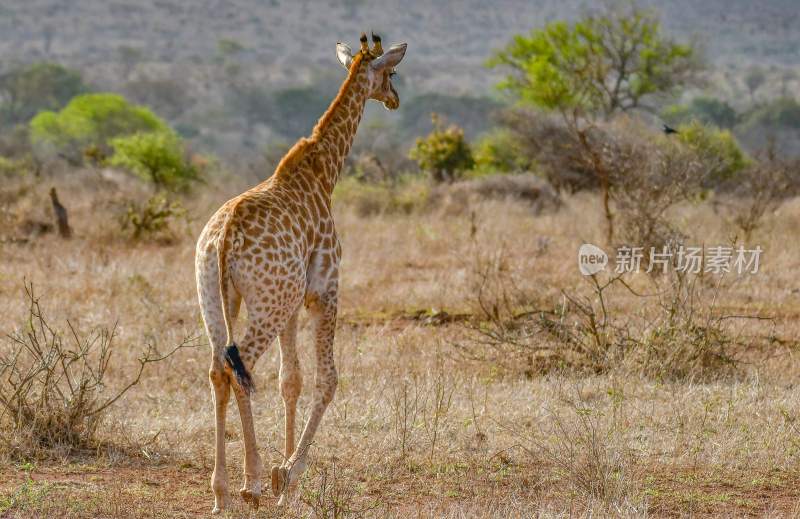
298 151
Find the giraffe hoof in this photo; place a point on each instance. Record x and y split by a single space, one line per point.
219 506
280 477
284 500
251 496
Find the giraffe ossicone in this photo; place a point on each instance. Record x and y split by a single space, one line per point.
275 248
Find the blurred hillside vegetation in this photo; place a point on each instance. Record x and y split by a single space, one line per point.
170 92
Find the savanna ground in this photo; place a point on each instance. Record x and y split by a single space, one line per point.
435 416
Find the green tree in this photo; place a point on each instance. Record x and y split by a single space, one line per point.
90 121
444 152
600 64
27 90
157 157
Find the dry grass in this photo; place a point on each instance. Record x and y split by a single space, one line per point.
415 429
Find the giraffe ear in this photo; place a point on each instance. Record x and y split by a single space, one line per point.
390 58
344 54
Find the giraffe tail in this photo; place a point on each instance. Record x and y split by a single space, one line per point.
235 362
230 355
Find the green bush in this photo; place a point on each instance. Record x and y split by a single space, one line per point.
90 120
500 151
718 149
444 153
157 157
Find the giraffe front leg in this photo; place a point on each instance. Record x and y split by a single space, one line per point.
323 311
221 389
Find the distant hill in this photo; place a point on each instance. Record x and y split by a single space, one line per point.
217 68
448 40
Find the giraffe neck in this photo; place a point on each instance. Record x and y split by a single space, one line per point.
335 131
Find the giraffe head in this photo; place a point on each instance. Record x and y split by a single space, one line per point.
378 65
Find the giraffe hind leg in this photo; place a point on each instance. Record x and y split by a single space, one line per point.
211 309
221 389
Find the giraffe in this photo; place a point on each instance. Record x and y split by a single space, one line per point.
275 248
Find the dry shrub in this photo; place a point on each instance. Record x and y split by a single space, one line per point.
677 336
641 172
413 194
405 403
152 220
24 211
547 140
589 451
758 190
500 333
676 332
649 176
53 388
404 196
421 406
331 494
459 197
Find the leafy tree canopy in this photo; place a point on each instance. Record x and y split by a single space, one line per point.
91 121
601 64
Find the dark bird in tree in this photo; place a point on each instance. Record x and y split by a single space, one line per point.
668 130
